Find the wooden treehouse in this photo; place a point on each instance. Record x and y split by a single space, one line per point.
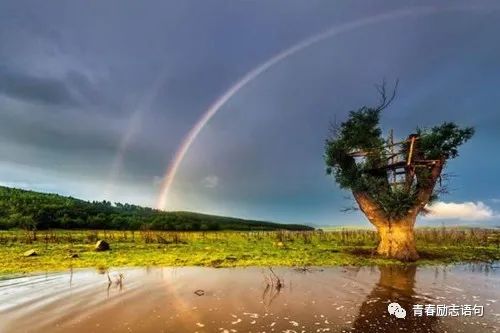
401 160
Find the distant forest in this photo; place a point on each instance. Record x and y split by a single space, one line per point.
34 210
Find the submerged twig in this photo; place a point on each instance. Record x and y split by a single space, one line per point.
274 284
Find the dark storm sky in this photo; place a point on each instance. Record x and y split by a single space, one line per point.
74 74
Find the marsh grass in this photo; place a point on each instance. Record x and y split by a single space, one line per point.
56 248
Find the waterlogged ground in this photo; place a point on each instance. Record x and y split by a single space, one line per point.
61 249
231 300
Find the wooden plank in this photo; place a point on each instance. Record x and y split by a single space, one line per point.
426 161
393 154
410 153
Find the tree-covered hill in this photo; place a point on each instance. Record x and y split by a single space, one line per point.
34 210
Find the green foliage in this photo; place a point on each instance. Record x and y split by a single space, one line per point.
396 202
442 142
32 210
361 133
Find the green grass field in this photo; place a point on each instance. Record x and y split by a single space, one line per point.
226 249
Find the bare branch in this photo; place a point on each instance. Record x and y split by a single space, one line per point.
385 101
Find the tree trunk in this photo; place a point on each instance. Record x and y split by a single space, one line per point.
397 240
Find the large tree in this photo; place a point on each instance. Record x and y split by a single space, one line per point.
391 183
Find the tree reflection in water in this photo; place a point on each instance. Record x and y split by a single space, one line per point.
396 284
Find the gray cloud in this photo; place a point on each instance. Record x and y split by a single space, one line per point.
74 89
35 89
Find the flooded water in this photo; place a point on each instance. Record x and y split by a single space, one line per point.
251 300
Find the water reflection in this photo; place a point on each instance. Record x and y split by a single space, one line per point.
273 284
342 299
396 284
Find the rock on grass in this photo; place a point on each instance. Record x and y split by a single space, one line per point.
102 245
30 253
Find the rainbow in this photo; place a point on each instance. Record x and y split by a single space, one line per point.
134 126
262 68
137 115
